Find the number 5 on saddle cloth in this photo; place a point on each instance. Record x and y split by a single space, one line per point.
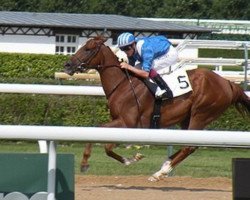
177 81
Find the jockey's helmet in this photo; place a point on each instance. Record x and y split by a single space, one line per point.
125 39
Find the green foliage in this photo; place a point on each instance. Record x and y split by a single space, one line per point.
231 120
71 110
201 9
52 110
231 9
80 111
233 37
30 65
185 9
221 53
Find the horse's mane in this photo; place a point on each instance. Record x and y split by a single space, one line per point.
100 37
104 39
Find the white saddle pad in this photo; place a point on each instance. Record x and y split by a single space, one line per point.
178 82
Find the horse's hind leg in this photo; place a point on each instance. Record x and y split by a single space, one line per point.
86 154
170 163
178 157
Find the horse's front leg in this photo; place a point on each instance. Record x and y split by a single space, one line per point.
121 159
86 154
109 147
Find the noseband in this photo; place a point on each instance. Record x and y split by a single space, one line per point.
83 63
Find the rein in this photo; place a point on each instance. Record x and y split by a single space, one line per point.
133 89
82 67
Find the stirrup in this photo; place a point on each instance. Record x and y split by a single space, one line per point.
165 95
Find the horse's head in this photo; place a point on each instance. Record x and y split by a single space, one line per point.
87 57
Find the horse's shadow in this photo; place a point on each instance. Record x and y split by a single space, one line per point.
163 189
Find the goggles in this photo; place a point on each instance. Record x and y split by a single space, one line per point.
126 48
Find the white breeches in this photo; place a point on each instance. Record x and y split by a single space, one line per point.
166 63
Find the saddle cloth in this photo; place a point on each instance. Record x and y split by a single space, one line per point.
177 81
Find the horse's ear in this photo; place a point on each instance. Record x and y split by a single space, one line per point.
104 39
101 38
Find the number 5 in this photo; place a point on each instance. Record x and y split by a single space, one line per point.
183 83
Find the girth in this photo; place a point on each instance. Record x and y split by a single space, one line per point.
156 115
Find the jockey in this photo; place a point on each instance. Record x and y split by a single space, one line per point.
152 56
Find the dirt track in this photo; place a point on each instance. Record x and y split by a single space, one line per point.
138 188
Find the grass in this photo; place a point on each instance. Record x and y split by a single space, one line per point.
205 162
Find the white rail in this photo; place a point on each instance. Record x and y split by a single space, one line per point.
55 89
50 133
211 44
213 61
127 135
214 44
51 89
118 135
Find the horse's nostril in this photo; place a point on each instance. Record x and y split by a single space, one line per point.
67 64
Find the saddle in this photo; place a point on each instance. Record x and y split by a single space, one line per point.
178 83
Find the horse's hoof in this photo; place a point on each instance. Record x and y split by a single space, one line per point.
153 179
84 168
139 156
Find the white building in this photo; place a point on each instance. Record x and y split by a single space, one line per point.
63 33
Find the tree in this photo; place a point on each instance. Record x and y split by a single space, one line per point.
231 9
198 9
7 5
185 9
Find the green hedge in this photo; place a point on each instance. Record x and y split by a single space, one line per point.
30 65
221 53
52 110
61 110
65 110
44 66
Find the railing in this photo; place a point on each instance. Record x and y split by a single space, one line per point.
118 135
213 61
90 134
218 44
210 44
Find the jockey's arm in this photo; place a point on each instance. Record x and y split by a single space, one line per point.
138 72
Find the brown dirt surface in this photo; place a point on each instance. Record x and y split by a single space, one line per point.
139 188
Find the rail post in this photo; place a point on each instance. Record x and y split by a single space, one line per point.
245 65
51 171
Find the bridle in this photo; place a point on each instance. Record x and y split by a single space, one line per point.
86 62
83 63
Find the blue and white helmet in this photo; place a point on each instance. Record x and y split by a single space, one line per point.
125 39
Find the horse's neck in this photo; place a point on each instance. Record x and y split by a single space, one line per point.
111 75
111 78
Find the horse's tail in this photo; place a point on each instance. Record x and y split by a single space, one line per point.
241 100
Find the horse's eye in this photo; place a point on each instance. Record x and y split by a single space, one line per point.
87 50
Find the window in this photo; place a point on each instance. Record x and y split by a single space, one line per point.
60 38
71 50
59 50
71 38
66 44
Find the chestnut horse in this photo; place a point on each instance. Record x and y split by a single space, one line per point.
131 103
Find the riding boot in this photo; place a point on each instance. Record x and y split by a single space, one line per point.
164 86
